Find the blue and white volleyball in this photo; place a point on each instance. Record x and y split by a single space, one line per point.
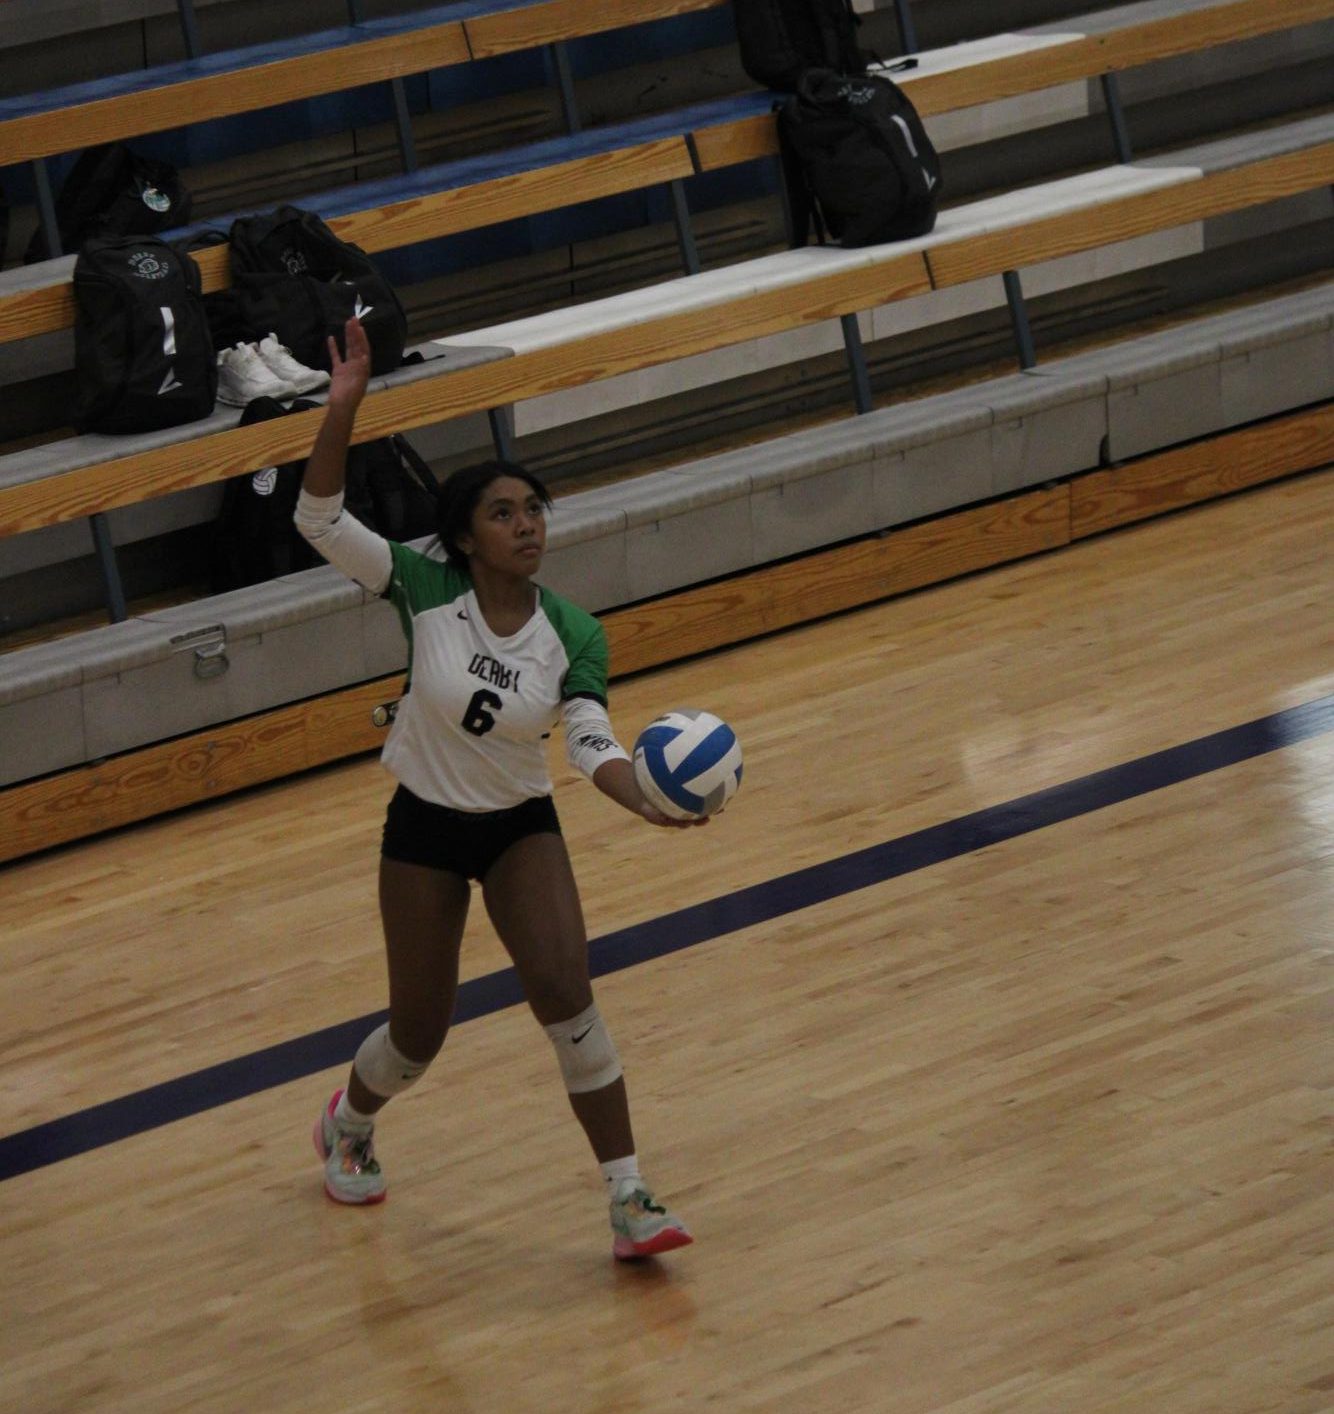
688 763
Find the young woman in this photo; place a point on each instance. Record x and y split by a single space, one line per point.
493 660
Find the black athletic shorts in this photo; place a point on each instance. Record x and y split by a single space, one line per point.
466 842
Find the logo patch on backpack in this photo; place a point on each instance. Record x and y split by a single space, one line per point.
294 260
156 200
147 265
265 482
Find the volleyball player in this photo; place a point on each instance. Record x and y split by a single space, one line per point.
493 660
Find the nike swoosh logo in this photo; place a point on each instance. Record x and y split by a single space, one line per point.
583 1033
463 616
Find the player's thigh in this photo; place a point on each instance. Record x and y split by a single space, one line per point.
533 900
423 912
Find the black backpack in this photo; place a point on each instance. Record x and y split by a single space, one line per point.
294 278
857 160
143 353
389 487
254 538
779 39
112 191
397 486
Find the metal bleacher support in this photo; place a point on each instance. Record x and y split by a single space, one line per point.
189 26
907 30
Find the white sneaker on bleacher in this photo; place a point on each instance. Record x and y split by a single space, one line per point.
243 376
277 358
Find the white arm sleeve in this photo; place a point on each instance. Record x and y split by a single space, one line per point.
342 539
588 735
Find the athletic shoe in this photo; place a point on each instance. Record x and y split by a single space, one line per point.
243 376
351 1174
641 1226
277 358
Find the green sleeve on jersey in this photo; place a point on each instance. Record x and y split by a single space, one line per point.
418 583
585 643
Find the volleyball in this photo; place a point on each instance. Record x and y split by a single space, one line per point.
688 763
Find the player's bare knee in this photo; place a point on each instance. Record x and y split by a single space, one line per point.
551 992
419 1037
585 1051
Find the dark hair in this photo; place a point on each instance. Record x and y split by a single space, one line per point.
459 497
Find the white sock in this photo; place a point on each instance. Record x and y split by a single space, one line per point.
345 1117
616 1171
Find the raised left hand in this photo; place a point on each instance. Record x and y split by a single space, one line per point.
350 372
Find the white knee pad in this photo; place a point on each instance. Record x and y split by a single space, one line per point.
384 1069
586 1052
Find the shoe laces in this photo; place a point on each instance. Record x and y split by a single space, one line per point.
270 349
247 360
642 1199
360 1149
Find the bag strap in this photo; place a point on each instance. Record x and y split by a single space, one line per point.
803 210
417 464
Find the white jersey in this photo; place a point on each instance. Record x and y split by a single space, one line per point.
478 708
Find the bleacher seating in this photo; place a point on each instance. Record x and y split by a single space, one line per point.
242 80
450 197
674 320
122 688
169 673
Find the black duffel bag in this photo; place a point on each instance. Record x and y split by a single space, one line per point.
294 278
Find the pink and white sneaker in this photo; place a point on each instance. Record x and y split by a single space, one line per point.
351 1173
640 1225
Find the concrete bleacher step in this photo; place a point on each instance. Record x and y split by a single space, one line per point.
166 673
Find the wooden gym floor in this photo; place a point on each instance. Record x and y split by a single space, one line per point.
1025 1110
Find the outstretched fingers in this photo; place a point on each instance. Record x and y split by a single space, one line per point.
350 370
357 344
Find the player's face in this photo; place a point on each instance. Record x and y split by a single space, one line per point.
509 528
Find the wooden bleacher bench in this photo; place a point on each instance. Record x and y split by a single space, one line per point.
718 308
435 201
448 198
34 126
